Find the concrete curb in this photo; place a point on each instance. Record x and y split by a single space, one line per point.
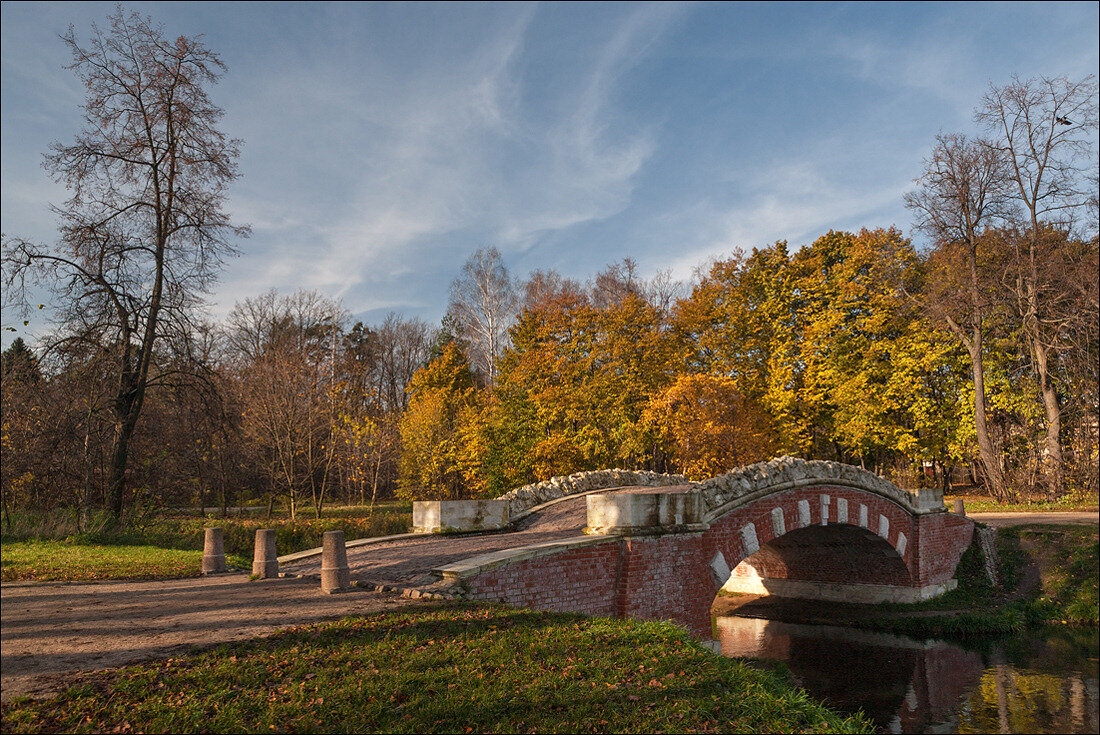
1001 519
299 555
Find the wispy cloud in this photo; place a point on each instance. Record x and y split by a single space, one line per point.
386 142
793 199
439 159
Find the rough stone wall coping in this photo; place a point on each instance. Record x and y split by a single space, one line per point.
528 496
483 562
746 484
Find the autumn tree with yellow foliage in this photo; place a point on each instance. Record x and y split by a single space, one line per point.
442 398
710 426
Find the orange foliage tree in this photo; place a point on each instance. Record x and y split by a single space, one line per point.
710 425
573 387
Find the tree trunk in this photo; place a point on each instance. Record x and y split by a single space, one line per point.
124 431
86 497
221 490
985 445
1051 460
7 511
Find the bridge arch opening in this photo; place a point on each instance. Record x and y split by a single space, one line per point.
833 562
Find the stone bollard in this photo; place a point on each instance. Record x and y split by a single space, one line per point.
265 565
960 509
335 575
213 551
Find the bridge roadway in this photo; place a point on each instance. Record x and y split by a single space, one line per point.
409 560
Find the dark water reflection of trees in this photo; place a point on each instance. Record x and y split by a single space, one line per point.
1040 682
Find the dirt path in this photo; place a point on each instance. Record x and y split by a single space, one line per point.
53 628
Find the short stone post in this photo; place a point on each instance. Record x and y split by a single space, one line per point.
213 551
265 565
335 575
960 509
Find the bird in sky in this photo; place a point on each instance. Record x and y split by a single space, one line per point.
1062 120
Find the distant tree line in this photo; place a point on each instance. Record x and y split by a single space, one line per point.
972 358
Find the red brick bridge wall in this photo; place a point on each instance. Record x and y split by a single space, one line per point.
668 576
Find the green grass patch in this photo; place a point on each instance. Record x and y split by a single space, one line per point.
1069 561
450 668
240 534
185 532
981 504
1067 558
45 561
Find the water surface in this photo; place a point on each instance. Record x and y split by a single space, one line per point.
1036 682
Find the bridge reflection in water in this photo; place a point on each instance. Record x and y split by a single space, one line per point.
910 686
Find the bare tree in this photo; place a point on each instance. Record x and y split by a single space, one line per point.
663 291
288 391
403 347
616 282
483 302
374 370
543 286
145 229
961 193
1044 128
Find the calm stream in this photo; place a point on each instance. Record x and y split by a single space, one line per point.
1037 682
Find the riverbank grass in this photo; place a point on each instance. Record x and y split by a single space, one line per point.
445 668
1068 558
45 561
1047 574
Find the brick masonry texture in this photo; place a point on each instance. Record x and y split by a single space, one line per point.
667 577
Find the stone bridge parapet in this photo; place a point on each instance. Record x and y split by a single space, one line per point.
528 496
463 516
725 493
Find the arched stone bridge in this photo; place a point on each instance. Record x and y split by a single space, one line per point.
790 527
658 547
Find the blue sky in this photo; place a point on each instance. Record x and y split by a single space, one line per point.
385 143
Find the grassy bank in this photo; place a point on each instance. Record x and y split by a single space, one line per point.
1068 558
448 668
185 531
240 533
1047 575
983 504
57 560
46 547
